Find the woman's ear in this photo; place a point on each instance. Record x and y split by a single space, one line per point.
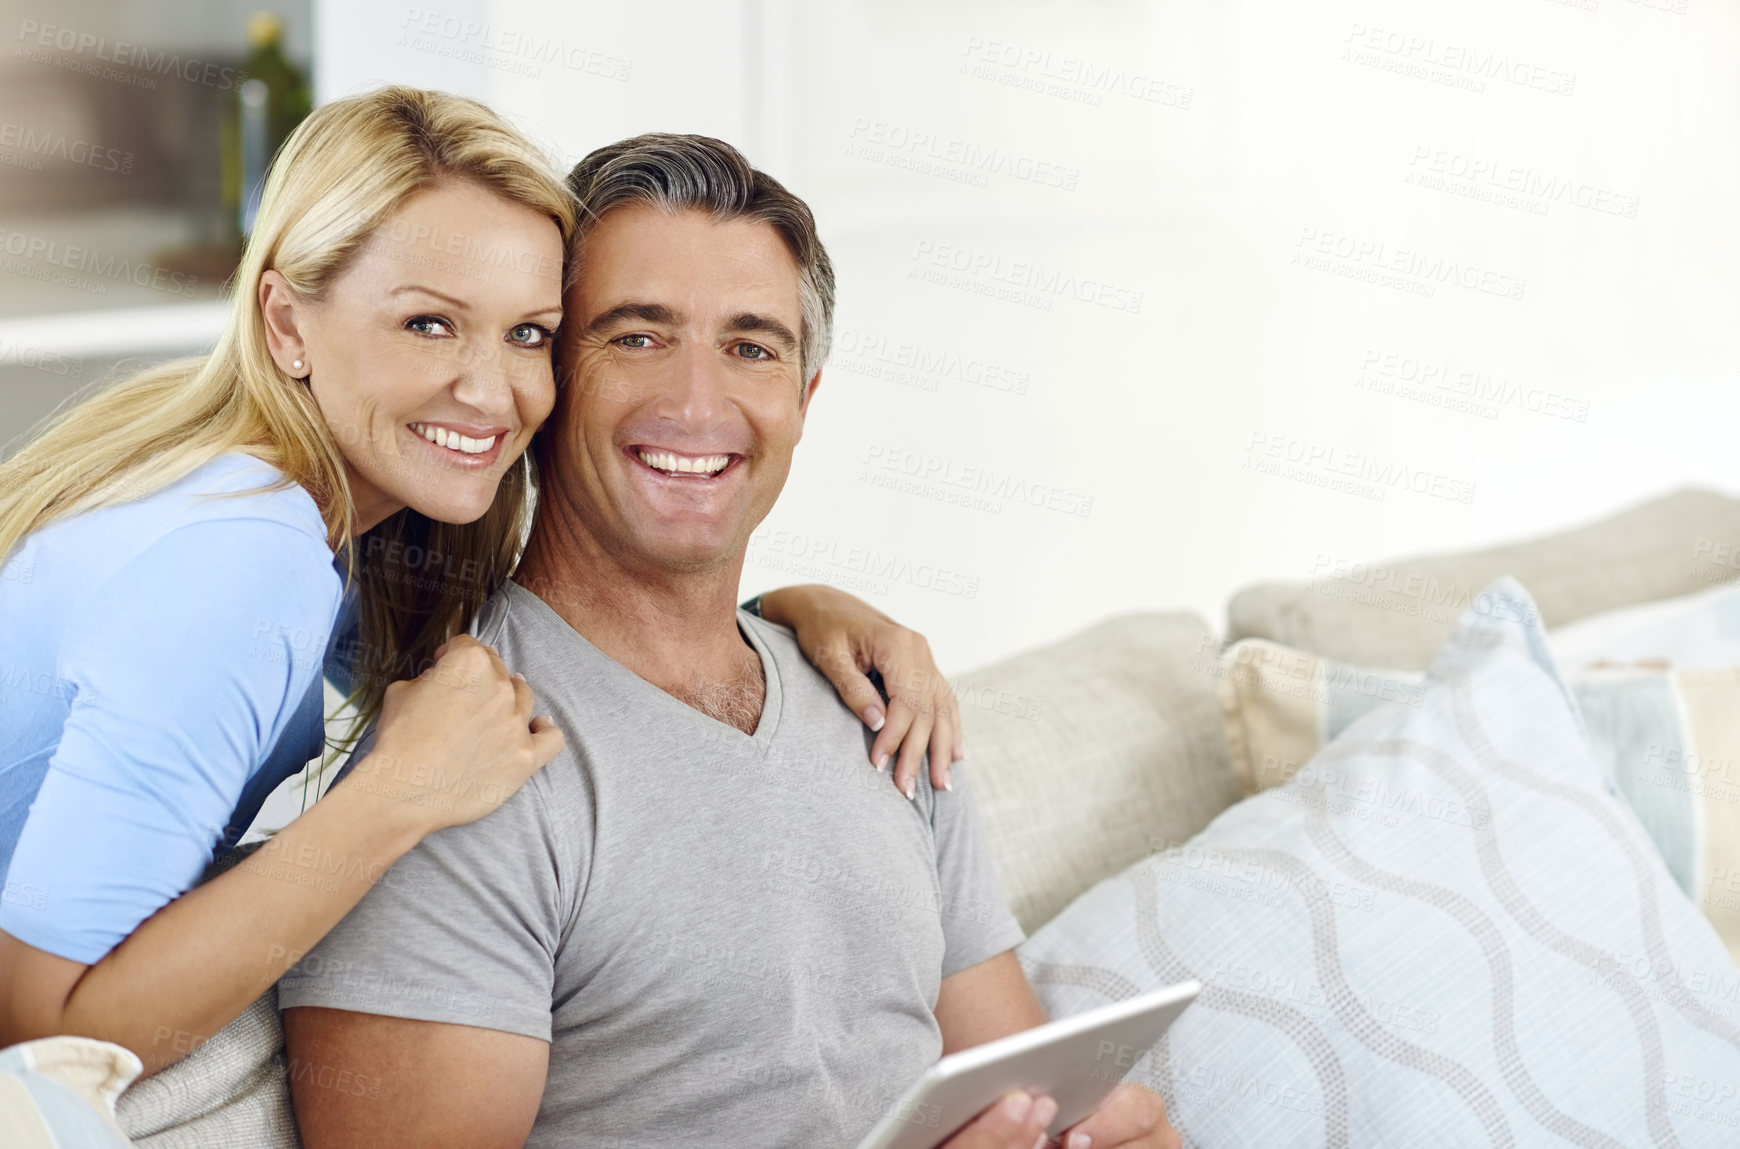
284 311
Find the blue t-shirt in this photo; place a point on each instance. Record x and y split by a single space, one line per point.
160 675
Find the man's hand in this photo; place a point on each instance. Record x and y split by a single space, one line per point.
1018 1121
1131 1116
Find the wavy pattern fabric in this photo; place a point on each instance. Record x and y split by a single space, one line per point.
1448 931
1669 741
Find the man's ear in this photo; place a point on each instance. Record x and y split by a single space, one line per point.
284 311
808 394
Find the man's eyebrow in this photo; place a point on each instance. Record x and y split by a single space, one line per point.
747 321
645 312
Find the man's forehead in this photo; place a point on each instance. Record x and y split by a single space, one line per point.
703 264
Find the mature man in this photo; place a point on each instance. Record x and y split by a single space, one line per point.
705 923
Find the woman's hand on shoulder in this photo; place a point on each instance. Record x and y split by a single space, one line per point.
847 639
458 740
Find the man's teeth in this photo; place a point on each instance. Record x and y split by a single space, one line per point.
682 464
453 440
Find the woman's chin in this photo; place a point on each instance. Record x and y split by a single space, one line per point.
456 506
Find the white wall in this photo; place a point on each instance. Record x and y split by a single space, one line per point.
1233 139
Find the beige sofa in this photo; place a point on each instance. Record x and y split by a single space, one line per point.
1090 753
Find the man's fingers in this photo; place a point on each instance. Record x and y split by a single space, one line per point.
1015 1122
1128 1114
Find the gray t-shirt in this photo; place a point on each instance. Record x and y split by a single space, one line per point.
728 940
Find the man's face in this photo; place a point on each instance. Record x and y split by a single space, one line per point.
682 393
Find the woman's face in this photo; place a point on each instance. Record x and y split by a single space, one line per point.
430 355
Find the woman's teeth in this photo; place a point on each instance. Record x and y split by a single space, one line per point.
682 464
453 440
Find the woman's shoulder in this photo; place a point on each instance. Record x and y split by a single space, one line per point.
237 485
219 528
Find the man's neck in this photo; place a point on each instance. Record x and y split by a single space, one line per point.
676 630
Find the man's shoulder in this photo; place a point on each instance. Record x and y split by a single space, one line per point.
798 675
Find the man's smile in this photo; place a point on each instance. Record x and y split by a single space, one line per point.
676 465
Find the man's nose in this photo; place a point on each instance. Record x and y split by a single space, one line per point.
695 391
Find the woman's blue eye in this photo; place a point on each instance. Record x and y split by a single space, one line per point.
421 323
530 335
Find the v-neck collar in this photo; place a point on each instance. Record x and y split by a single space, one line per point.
634 685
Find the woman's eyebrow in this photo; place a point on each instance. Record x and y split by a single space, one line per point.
430 291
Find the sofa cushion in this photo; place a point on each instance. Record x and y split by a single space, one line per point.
1398 613
1083 752
231 1091
1505 961
1667 740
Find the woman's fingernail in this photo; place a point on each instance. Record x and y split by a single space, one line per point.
873 717
1043 1111
911 790
882 764
1018 1106
948 781
1079 1141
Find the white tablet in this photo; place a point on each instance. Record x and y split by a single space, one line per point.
1076 1060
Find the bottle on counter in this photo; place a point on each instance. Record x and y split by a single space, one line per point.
271 100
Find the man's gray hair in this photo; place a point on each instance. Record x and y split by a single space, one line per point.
699 173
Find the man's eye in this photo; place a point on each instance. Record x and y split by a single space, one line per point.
633 341
530 335
753 351
428 325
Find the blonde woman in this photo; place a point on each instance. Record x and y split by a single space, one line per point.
180 549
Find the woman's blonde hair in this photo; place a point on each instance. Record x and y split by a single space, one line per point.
349 166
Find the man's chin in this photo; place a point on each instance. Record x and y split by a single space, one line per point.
685 553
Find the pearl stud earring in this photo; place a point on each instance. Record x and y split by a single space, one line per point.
297 364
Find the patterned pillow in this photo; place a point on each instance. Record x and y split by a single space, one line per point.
1480 946
1668 740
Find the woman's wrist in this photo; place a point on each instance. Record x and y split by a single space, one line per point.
790 605
390 814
